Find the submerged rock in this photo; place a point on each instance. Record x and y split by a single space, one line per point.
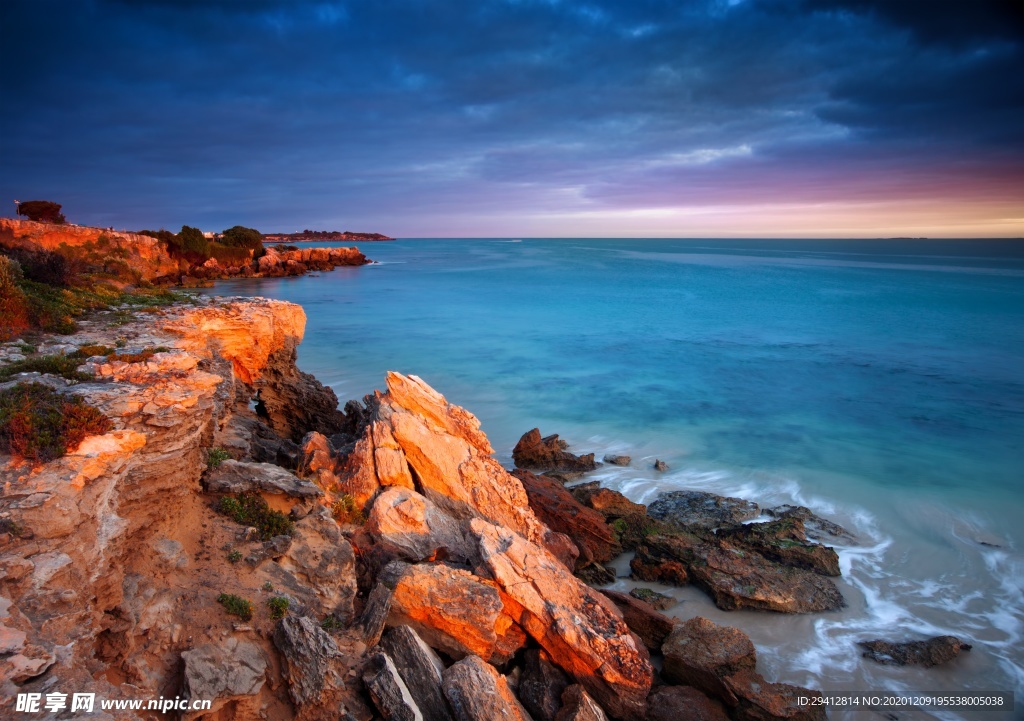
932 652
533 452
660 465
701 509
616 460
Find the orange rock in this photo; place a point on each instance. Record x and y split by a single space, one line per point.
452 610
581 629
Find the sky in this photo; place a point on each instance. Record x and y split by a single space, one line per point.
513 118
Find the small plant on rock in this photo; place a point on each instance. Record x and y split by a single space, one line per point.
249 509
236 605
278 606
39 424
268 587
234 557
216 456
346 510
331 624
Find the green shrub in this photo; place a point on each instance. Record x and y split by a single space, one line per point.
192 240
234 557
88 351
14 312
9 525
236 605
216 456
229 254
268 586
39 424
346 510
42 211
278 606
249 509
57 365
331 624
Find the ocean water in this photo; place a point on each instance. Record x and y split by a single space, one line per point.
881 383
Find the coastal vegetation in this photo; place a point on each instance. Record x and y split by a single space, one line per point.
40 424
236 605
249 509
42 211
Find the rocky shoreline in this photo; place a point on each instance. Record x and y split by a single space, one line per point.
236 537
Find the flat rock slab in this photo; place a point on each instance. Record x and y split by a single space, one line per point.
237 477
700 509
932 652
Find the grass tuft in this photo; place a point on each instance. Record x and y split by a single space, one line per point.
345 510
39 424
236 605
278 606
249 509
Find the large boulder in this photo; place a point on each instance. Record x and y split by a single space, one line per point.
388 691
785 542
415 528
733 576
533 452
759 700
315 667
700 653
652 627
420 669
557 507
683 703
931 652
224 672
452 610
581 629
541 685
232 476
319 567
477 692
702 510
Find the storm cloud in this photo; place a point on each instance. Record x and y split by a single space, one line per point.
514 117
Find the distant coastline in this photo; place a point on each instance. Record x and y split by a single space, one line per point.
322 235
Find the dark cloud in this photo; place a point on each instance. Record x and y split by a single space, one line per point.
293 114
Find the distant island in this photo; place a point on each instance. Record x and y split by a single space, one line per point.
322 235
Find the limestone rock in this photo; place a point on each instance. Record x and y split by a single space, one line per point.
700 653
223 672
617 460
548 454
541 685
578 706
452 610
683 703
701 509
758 700
406 521
657 601
232 476
477 692
388 691
314 672
814 525
652 627
785 542
319 567
556 507
932 652
576 625
660 465
420 669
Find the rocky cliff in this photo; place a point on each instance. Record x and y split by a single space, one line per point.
385 566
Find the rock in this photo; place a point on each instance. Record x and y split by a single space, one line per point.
578 706
414 527
232 476
617 460
660 465
548 454
733 577
657 601
452 610
683 703
375 614
816 526
700 653
652 627
477 692
319 567
315 674
577 626
700 509
420 669
758 700
541 685
388 691
932 652
451 457
224 672
784 541
556 507
610 504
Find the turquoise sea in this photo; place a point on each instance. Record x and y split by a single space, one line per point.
879 382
